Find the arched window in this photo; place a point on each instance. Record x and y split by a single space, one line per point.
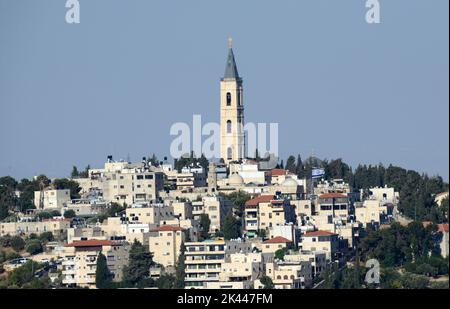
229 153
239 98
228 99
278 277
285 277
229 126
292 277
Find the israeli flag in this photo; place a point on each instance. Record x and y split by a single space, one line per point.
318 172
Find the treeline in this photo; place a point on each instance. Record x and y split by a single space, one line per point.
408 256
137 273
417 191
24 200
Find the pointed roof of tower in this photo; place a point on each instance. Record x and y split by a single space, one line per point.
231 68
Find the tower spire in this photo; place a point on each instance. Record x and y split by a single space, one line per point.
231 71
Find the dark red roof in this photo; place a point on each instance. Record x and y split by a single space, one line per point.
443 228
260 199
168 228
277 240
92 243
333 195
319 233
278 172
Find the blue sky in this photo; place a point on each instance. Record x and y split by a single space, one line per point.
116 82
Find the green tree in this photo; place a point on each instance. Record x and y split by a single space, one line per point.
300 168
69 214
412 281
74 173
17 243
238 198
68 184
23 274
280 253
46 237
44 215
205 224
267 283
103 277
138 268
180 269
290 164
231 228
7 196
33 247
166 281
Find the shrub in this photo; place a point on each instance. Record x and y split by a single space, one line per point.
34 247
17 243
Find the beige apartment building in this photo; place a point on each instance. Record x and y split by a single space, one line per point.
290 275
274 244
51 199
123 182
216 207
165 244
317 259
80 261
203 262
265 211
149 213
242 267
372 211
384 194
334 204
321 241
57 227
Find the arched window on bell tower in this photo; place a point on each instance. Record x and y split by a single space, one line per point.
229 126
239 98
228 99
229 153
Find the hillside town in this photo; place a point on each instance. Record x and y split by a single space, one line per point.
239 222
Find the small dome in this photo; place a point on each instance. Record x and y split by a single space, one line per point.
236 179
289 182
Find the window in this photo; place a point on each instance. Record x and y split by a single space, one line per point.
148 176
229 126
229 153
228 99
139 177
239 98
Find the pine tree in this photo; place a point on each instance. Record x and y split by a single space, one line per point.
103 277
290 164
180 270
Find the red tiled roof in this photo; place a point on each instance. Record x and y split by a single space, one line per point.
443 228
167 228
319 233
260 199
278 172
277 240
92 243
333 195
